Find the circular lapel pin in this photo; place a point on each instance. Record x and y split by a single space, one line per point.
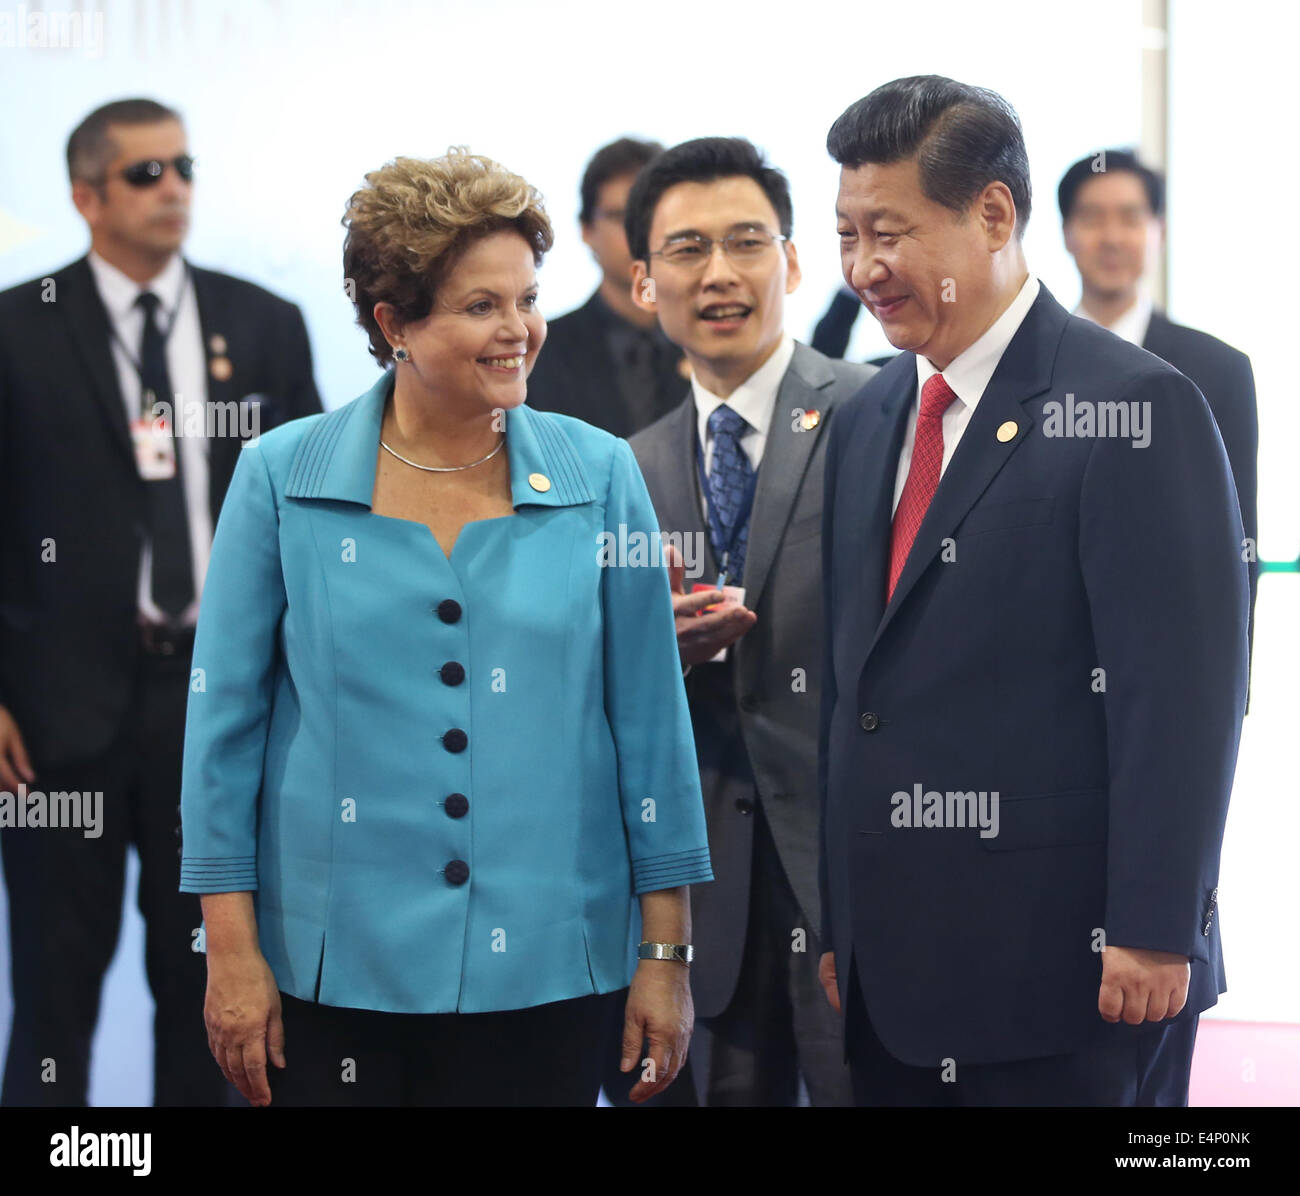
539 482
811 419
1008 431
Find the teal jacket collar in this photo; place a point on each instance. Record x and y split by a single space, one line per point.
336 459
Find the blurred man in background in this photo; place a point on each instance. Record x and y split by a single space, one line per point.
1113 210
608 362
128 381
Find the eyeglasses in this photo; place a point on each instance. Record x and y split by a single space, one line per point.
744 246
146 174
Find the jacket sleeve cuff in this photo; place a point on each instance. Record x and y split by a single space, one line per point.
670 871
231 874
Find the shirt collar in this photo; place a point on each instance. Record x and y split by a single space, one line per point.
336 459
1132 325
968 373
755 398
119 292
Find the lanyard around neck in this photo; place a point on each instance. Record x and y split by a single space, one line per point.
164 329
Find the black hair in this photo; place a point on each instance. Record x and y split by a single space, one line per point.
91 149
962 137
625 156
703 160
1107 162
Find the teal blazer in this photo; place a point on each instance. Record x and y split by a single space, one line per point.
445 780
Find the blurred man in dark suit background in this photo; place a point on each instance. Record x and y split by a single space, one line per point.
736 469
1113 211
128 381
608 362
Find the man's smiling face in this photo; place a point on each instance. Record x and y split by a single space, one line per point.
727 314
923 270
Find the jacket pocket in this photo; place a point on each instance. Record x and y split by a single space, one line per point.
1067 819
1002 516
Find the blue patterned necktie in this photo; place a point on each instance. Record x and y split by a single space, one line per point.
730 479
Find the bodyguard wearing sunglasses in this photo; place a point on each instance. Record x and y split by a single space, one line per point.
109 491
709 224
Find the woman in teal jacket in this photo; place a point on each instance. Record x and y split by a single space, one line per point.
438 759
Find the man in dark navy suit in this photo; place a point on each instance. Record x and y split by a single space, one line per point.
1036 661
1112 212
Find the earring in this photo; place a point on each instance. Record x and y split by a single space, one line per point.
401 355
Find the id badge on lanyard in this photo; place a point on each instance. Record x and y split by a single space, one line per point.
155 446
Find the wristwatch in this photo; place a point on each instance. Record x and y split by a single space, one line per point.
681 952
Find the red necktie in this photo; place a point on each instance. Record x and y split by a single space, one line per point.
922 475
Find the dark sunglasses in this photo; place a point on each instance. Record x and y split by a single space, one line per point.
146 174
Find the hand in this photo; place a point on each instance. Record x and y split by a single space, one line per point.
14 764
1140 985
660 1010
242 1014
830 982
702 637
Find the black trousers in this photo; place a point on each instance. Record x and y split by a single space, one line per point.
65 906
1152 1069
548 1055
779 1027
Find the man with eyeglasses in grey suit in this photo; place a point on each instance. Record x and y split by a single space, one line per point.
735 473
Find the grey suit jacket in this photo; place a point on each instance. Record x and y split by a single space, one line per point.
756 715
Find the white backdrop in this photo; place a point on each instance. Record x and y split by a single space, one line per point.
289 102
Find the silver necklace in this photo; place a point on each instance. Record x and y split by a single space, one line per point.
444 468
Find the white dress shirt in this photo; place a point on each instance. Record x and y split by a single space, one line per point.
754 399
1132 325
967 376
186 371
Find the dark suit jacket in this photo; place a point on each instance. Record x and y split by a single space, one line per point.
1223 375
1064 555
754 716
69 485
576 375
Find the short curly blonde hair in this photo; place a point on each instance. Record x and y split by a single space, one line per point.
413 221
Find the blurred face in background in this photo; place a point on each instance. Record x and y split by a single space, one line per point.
147 222
1110 232
927 273
726 311
605 237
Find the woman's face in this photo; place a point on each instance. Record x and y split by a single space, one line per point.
477 346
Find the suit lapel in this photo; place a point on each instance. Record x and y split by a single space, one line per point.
223 451
786 454
88 326
1153 342
589 358
682 478
1024 372
866 514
